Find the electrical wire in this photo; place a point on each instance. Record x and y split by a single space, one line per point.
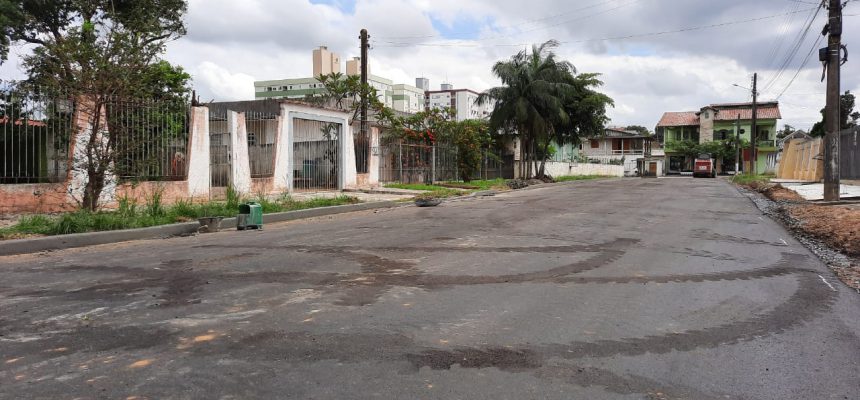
611 38
801 38
780 38
802 65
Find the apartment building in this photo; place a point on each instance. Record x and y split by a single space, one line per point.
461 102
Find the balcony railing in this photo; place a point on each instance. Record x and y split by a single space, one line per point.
628 152
766 143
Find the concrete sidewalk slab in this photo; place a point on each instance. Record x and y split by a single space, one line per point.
816 191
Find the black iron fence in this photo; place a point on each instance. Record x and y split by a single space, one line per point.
143 139
35 130
262 129
220 149
151 138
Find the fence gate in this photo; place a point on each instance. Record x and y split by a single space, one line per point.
220 158
849 154
316 154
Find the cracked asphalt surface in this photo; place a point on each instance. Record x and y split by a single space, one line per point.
617 289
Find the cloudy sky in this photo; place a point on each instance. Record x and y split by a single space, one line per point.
648 66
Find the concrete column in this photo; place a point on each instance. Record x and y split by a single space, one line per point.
198 154
348 170
283 178
373 162
240 161
81 136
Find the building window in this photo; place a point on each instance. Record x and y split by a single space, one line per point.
595 144
252 139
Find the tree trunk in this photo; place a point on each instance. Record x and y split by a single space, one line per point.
542 169
98 158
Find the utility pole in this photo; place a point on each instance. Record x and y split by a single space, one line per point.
737 145
832 120
753 127
365 138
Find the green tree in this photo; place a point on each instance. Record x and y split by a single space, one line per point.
638 128
96 51
846 113
542 98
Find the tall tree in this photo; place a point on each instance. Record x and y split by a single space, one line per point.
638 128
542 98
95 51
846 112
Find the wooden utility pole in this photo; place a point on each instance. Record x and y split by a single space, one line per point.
364 142
754 127
832 119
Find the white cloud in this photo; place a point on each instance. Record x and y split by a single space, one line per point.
221 84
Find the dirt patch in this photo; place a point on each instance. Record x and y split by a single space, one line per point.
779 193
837 226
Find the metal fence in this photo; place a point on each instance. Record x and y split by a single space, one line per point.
151 138
316 154
262 129
220 149
492 166
406 162
849 154
35 129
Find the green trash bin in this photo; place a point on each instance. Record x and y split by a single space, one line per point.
250 216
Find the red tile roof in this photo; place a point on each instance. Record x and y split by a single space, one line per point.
725 112
767 111
684 118
19 122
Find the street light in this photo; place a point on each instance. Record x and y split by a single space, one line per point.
744 87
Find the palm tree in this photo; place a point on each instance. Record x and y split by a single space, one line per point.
531 102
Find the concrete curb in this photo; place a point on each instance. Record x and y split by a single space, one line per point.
60 242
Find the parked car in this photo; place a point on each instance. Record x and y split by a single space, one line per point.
704 167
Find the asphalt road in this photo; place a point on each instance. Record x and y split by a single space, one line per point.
620 289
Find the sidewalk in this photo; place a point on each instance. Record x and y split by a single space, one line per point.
815 191
365 197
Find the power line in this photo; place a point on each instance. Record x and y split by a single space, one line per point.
802 65
802 34
611 38
780 38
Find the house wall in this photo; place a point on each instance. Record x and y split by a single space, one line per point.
800 160
35 198
557 169
706 125
768 125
